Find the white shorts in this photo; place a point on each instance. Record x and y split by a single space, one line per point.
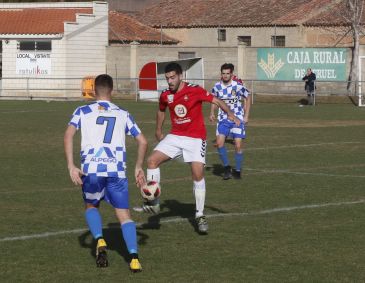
191 149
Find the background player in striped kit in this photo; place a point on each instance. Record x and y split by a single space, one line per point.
232 93
104 127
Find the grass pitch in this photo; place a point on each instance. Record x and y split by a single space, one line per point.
297 215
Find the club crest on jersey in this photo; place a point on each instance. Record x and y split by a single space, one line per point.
186 98
170 98
180 110
233 92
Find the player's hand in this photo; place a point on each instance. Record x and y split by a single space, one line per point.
211 117
245 120
75 175
234 119
159 135
140 177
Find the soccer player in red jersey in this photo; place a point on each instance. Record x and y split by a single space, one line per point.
187 137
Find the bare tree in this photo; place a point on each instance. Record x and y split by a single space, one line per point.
353 17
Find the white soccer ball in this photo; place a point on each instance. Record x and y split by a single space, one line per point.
151 190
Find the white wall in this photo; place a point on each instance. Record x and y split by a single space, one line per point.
79 53
85 45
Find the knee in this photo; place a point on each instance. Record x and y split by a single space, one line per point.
198 176
152 163
220 143
238 147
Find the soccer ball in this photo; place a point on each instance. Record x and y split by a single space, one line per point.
151 190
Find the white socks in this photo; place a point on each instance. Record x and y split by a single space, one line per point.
198 189
199 193
153 175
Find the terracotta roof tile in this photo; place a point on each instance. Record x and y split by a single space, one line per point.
338 15
38 20
125 29
231 13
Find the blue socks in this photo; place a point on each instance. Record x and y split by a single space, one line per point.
93 220
130 236
238 157
222 151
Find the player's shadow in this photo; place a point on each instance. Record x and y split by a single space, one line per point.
216 169
303 101
114 239
173 208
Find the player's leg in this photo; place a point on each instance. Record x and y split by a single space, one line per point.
167 149
222 132
238 157
93 191
239 134
118 196
199 189
129 232
153 165
194 151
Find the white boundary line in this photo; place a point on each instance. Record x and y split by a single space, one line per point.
26 111
268 171
179 219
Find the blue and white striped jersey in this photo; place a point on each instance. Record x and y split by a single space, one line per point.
232 95
104 127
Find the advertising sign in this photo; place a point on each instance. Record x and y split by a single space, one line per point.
34 64
290 64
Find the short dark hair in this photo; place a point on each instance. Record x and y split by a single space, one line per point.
227 66
103 83
173 67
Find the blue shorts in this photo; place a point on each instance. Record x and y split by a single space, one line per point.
228 128
113 190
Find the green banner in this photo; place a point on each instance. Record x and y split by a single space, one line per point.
290 64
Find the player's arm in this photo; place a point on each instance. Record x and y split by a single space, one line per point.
160 118
141 153
74 172
221 104
246 108
213 107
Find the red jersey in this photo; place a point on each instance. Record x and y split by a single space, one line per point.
186 110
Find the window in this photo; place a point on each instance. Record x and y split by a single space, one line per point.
221 34
44 45
245 39
35 45
186 55
278 41
27 45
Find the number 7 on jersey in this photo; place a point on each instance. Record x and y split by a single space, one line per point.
110 123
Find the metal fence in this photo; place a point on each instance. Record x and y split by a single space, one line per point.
71 88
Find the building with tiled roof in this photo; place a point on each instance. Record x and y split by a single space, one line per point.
263 23
48 47
124 29
37 21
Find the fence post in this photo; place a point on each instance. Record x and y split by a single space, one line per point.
251 91
28 93
116 77
136 87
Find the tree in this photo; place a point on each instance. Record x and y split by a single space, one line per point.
353 17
